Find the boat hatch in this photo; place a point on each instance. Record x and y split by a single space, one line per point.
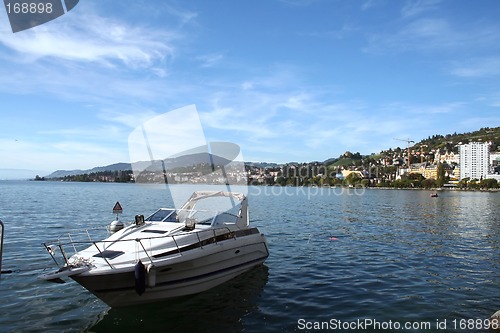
163 215
109 254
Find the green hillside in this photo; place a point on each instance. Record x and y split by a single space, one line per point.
450 142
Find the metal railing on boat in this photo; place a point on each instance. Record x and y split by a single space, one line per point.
179 249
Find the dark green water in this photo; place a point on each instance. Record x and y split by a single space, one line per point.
341 261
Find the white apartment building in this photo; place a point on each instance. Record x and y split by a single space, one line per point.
474 160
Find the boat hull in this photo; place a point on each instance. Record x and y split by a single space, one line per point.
177 275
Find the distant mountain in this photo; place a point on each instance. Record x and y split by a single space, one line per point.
446 142
184 161
154 166
111 167
263 165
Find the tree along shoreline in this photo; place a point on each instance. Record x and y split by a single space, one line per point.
352 181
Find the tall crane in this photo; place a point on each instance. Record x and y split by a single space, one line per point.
408 141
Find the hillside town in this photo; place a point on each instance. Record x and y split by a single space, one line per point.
474 166
436 162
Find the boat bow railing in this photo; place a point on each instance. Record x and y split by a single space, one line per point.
182 242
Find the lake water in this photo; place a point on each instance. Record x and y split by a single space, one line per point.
340 261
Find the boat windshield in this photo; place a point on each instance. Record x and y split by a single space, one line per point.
163 215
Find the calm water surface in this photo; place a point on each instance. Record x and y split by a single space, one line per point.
337 257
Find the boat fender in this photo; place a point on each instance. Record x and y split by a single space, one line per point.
151 274
140 278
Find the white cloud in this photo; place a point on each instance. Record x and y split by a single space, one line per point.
416 7
210 60
434 34
477 67
369 4
420 35
110 132
238 118
39 154
127 116
346 30
422 109
92 58
298 3
88 37
491 99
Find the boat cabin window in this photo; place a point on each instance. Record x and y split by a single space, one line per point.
163 215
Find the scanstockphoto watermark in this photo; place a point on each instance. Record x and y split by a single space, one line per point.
366 324
371 325
308 192
323 171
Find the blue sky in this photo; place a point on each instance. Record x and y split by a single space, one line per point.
289 80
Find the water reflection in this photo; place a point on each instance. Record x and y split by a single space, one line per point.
221 309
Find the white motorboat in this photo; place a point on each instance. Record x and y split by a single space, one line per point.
173 252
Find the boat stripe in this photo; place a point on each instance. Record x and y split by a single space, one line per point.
193 278
211 240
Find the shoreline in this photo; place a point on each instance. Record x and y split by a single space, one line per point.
441 189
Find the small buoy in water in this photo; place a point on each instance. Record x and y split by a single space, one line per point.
115 226
333 238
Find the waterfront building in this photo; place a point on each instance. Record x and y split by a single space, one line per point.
474 160
429 171
346 173
447 157
456 174
494 160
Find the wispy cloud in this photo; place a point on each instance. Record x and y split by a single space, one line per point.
93 58
298 3
281 124
419 35
416 7
492 100
346 30
368 4
210 60
129 117
74 82
68 154
434 34
92 38
278 104
477 67
430 109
